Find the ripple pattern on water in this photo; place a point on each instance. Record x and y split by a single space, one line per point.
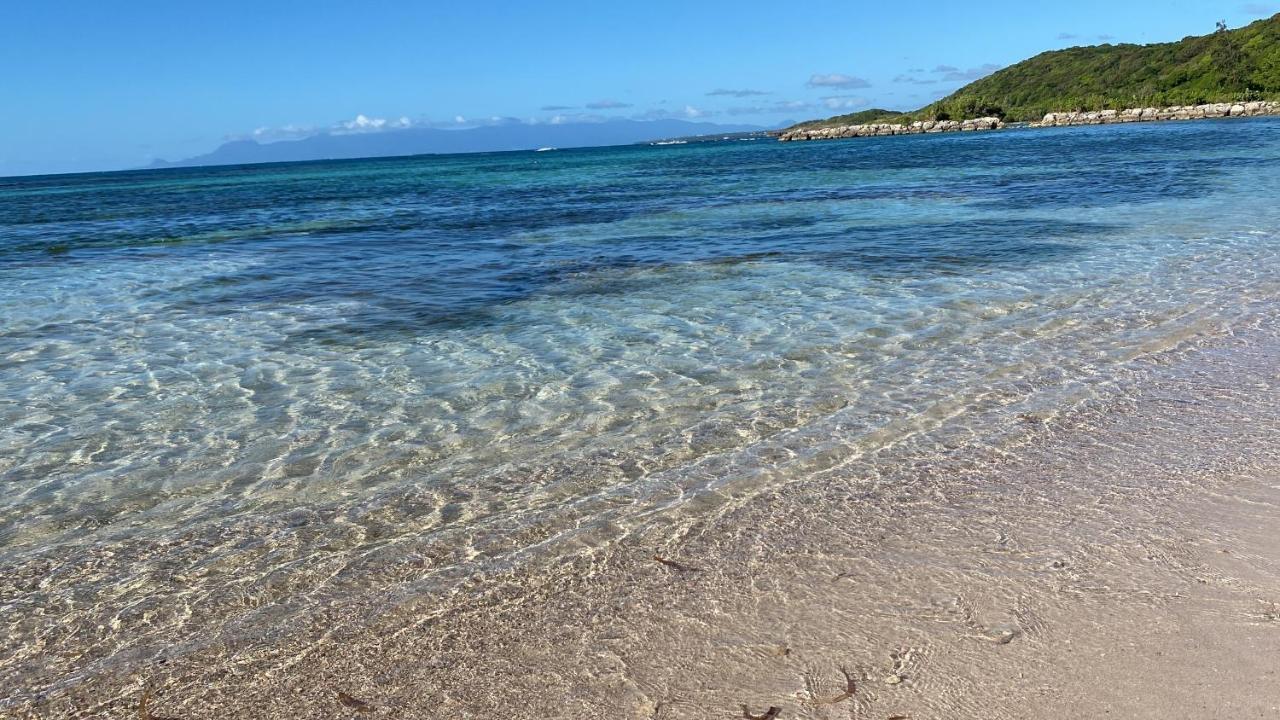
230 395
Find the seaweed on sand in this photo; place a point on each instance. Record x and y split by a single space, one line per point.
675 565
850 687
355 704
769 714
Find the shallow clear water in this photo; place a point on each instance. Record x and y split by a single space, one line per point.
228 396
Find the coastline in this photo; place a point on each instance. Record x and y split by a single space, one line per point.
1150 114
920 127
413 398
1054 119
977 425
1119 560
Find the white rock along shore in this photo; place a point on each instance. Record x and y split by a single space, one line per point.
1055 119
883 129
1151 114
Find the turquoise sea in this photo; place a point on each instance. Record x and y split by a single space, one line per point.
229 396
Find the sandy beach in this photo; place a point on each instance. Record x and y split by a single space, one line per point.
449 363
1119 562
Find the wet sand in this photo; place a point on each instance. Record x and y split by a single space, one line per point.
1121 562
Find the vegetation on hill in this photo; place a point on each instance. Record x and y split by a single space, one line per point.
862 117
1226 66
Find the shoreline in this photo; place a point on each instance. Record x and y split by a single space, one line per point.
1121 560
919 127
962 422
1208 111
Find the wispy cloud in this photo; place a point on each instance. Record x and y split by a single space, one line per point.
364 123
912 79
561 119
688 112
1106 38
607 105
945 69
775 108
957 75
844 102
1067 36
721 92
556 108
272 134
837 80
361 123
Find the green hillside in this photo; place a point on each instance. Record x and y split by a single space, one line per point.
862 117
1226 66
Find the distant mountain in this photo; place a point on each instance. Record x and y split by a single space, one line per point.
420 141
1225 66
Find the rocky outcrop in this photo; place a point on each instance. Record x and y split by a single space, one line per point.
885 129
1177 112
1059 119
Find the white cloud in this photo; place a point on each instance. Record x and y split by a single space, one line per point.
912 79
271 134
688 112
956 75
837 80
845 102
563 118
362 123
607 105
781 106
721 92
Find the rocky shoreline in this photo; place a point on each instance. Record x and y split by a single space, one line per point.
885 129
1057 119
1176 112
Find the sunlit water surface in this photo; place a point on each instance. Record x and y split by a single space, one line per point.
230 395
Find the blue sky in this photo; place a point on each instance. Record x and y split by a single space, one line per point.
90 85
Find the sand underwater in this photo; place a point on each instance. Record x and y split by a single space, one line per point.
925 427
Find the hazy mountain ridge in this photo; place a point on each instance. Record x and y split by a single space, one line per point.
421 141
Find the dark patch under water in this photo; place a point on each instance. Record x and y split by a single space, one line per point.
439 239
